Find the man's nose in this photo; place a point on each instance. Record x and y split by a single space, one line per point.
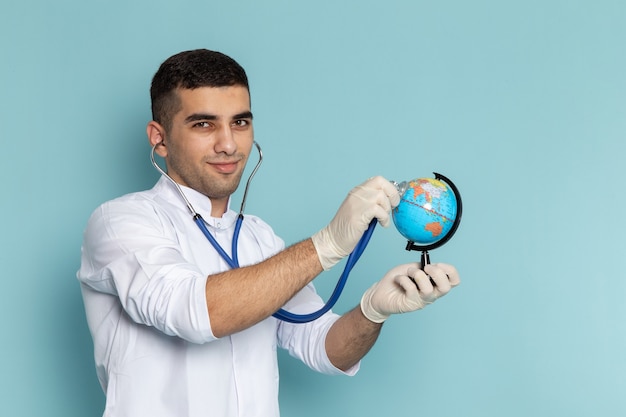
225 141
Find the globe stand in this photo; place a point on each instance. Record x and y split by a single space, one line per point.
412 246
424 258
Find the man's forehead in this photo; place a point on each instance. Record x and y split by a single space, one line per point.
223 101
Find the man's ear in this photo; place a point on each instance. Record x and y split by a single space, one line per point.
156 136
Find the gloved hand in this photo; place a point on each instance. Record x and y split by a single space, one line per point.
373 199
407 288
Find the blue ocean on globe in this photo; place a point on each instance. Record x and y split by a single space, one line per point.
427 211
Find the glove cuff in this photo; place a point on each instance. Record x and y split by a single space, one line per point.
324 247
366 307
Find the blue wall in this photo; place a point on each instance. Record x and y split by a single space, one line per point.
521 103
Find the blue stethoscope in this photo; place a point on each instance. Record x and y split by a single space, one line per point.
233 261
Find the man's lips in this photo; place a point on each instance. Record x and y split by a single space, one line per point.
227 167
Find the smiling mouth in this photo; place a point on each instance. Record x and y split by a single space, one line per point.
225 167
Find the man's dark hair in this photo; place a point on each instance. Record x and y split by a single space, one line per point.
190 70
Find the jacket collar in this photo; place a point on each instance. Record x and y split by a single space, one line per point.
200 203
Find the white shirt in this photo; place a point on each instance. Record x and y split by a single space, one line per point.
143 273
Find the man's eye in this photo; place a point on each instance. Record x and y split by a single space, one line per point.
241 123
202 124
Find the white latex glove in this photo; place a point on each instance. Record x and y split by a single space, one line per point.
407 288
373 199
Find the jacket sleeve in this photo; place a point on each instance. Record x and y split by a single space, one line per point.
307 341
130 253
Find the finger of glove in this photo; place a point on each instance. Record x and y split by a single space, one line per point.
439 277
390 190
384 187
371 194
427 290
376 212
402 269
451 272
361 206
410 298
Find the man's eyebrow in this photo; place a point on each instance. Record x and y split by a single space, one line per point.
200 116
205 116
244 115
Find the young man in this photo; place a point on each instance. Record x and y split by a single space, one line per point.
176 331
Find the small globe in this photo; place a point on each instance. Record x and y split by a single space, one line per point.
427 211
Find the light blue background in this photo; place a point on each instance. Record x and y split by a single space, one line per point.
521 103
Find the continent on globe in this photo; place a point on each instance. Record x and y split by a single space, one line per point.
435 228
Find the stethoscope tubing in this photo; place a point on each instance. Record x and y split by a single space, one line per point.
232 262
350 263
233 259
283 314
